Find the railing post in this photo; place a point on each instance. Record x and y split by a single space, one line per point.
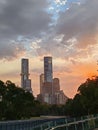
41 127
55 123
66 124
49 124
75 124
88 125
93 121
82 123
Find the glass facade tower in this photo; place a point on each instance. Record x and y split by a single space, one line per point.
48 74
25 81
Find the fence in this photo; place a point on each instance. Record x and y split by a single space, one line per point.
82 123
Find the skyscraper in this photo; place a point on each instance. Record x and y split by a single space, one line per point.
48 80
25 81
50 88
48 74
41 83
56 85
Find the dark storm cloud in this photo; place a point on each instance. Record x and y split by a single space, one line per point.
81 22
21 18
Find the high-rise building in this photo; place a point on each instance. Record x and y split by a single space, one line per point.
50 88
24 72
25 81
60 97
56 85
41 83
48 80
48 74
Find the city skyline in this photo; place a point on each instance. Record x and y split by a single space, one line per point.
50 90
38 80
67 30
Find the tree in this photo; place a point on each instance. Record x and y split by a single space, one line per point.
86 101
89 95
16 103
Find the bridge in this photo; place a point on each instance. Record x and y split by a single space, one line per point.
57 123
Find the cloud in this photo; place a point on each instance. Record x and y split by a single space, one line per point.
27 18
74 34
61 2
23 17
28 29
80 22
10 51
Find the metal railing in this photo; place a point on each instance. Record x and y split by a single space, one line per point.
83 123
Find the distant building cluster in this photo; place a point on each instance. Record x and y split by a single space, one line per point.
50 87
50 92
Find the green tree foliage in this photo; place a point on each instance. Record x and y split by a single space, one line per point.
86 101
89 95
15 103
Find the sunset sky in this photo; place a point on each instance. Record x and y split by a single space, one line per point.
67 30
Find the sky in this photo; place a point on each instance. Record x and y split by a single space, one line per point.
67 30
